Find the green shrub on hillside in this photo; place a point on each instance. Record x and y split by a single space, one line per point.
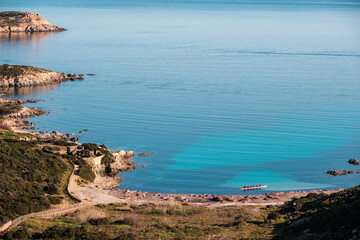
8 108
320 216
63 143
90 146
5 134
27 178
107 159
85 170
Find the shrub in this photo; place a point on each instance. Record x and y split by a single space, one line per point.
8 108
85 170
273 215
99 221
23 186
63 143
132 220
107 159
90 146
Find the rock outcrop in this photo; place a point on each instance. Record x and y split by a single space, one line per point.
22 76
353 161
13 21
337 173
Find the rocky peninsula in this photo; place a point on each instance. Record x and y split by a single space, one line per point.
24 76
13 21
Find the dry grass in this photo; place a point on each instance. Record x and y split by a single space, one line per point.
87 214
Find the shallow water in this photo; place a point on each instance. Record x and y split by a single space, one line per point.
224 95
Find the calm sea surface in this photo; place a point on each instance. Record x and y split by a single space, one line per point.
224 95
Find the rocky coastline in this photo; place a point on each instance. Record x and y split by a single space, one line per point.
25 76
14 21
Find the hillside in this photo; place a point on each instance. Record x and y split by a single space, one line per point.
30 179
334 216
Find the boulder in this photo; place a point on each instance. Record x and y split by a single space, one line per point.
353 161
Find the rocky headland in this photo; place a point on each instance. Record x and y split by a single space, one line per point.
13 21
24 76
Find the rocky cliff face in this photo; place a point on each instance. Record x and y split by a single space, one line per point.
25 22
21 76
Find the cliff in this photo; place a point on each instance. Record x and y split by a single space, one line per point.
21 76
25 22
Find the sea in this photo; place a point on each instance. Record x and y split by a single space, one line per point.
225 94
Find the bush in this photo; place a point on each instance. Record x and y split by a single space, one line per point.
107 159
273 215
8 108
63 143
132 220
85 170
24 189
90 146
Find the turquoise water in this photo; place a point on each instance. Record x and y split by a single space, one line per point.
225 94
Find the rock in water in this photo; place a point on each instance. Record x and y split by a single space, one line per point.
353 162
25 22
145 154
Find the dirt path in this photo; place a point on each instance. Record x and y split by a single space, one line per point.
58 211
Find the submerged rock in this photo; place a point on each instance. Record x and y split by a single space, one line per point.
145 154
337 172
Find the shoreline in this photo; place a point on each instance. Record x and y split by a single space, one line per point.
105 187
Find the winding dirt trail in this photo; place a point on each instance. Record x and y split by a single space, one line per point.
58 211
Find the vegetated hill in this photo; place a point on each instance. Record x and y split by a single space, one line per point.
13 21
320 216
328 217
29 178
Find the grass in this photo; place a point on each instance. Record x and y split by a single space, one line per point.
152 222
10 135
334 216
17 70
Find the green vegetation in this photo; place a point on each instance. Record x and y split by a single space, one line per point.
107 159
16 70
124 221
12 14
334 216
28 177
10 135
85 170
11 18
8 108
90 146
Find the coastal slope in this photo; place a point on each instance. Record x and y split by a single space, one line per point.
21 76
13 21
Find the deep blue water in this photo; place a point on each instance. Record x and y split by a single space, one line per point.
224 94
